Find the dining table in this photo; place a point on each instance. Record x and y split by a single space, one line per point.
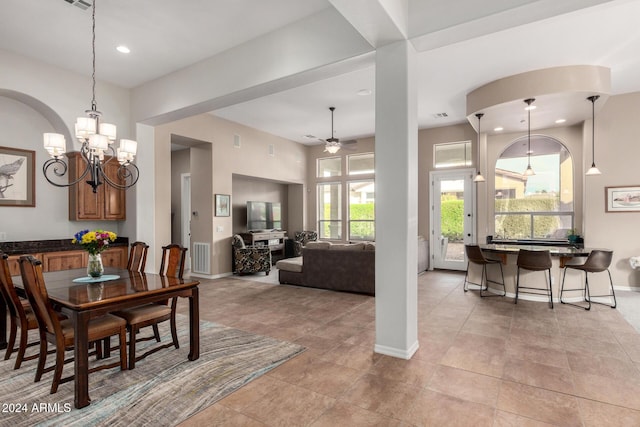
81 298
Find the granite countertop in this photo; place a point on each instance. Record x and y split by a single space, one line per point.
55 245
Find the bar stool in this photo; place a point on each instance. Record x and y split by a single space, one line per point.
475 256
534 261
597 262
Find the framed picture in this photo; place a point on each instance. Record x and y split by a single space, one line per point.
17 177
622 199
223 202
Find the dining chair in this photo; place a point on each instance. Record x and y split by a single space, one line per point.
475 256
172 264
61 332
534 261
597 261
20 314
138 256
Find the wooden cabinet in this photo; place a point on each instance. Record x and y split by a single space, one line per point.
115 257
66 260
107 203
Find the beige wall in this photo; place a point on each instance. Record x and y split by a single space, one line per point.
180 164
617 148
247 189
252 159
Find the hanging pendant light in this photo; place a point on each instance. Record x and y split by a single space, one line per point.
479 177
593 170
529 171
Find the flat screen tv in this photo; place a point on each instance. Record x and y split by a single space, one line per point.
263 216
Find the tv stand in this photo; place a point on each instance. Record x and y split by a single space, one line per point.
273 239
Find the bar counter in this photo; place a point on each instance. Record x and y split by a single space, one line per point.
560 255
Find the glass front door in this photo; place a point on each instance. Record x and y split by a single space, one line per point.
452 219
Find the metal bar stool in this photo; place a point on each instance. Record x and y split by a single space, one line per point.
597 262
475 256
535 261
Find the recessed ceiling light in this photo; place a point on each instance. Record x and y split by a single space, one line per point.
530 107
364 92
560 121
123 49
498 129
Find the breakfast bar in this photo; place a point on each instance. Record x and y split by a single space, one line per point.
507 254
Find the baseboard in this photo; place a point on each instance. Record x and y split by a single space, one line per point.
395 352
210 276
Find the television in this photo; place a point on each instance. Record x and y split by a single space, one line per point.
263 216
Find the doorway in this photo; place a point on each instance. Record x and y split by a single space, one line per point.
452 201
185 215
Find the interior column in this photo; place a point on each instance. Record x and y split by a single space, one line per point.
396 147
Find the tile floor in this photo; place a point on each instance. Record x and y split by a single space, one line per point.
481 362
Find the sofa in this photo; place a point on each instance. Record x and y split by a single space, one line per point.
338 267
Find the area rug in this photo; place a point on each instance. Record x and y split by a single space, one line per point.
164 389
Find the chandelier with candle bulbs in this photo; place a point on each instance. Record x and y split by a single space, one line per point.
97 139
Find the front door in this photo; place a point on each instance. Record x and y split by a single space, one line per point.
452 217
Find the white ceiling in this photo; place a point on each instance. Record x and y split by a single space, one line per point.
167 35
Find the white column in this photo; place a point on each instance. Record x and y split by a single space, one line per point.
396 150
145 190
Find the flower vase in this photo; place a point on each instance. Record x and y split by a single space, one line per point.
94 266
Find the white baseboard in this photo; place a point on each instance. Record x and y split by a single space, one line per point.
396 352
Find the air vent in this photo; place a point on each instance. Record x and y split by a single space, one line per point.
82 4
236 141
271 150
440 115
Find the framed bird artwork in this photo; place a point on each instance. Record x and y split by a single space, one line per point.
17 177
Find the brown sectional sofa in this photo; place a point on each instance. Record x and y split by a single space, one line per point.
338 267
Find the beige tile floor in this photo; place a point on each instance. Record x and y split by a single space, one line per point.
481 362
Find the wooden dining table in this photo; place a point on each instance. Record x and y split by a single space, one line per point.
81 301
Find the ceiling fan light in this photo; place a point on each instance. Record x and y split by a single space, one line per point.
333 149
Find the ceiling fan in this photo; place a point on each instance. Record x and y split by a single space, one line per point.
333 144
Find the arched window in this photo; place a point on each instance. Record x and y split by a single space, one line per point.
539 206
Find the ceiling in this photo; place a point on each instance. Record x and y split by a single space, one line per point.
455 53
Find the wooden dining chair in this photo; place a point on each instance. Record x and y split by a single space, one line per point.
172 264
20 314
138 256
61 332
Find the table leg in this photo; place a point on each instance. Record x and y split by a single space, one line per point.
81 363
194 329
3 323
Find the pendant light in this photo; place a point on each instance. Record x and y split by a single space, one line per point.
479 177
529 171
593 170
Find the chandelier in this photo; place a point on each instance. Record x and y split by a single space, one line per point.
97 148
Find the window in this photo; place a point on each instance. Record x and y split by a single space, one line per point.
452 154
538 206
331 166
362 196
360 164
330 211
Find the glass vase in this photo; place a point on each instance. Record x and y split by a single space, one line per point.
94 266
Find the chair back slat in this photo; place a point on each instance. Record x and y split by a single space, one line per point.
34 285
173 257
7 288
138 256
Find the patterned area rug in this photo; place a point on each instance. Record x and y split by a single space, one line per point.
164 389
